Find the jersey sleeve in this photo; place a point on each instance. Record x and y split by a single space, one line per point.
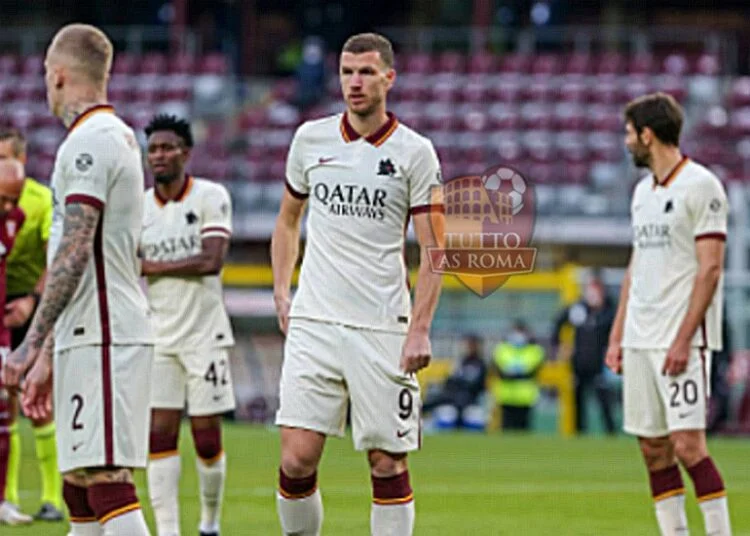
217 213
296 179
710 209
423 180
86 168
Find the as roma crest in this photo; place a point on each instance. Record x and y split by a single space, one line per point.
489 223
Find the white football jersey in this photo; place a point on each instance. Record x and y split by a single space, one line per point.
99 163
667 221
361 193
188 311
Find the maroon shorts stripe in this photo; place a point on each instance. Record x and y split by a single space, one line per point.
101 290
85 199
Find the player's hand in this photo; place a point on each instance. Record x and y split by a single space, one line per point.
677 359
613 358
16 365
36 399
283 305
417 352
18 312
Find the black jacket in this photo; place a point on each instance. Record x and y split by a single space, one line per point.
592 328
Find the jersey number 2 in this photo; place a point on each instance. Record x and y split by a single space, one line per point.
78 401
211 375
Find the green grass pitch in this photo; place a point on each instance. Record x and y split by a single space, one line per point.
465 484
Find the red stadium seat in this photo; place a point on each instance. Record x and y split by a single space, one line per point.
32 66
606 147
515 63
475 90
676 64
504 116
475 120
124 63
546 64
604 118
573 88
610 63
451 62
739 93
444 89
538 89
153 63
506 88
213 63
418 63
708 65
580 64
634 87
482 62
539 146
181 64
605 89
570 116
641 64
536 116
8 64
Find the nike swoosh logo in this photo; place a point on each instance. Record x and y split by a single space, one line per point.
218 397
77 446
683 415
402 433
322 160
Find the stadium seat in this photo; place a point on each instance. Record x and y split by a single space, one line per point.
515 63
482 62
578 64
451 62
8 65
610 63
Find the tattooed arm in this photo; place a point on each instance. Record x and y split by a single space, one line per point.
64 274
70 261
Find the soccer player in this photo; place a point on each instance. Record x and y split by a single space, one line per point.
11 221
103 347
669 316
351 332
187 223
25 283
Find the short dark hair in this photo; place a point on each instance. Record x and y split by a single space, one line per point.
658 111
18 139
171 122
369 42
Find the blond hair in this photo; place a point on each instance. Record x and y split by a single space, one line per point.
87 49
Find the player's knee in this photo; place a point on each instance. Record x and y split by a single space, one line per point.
207 443
689 447
298 463
657 453
385 464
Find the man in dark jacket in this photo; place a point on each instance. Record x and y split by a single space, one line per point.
592 319
467 382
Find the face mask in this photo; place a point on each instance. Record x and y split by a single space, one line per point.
517 338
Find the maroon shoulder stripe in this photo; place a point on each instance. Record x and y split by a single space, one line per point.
427 208
718 236
216 229
85 199
295 193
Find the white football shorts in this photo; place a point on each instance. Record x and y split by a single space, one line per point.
654 404
102 412
330 368
200 377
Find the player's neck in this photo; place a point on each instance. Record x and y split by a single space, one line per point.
78 104
170 190
365 126
664 161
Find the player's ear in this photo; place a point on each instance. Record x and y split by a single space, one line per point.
390 76
646 136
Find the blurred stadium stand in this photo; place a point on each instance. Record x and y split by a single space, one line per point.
547 101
